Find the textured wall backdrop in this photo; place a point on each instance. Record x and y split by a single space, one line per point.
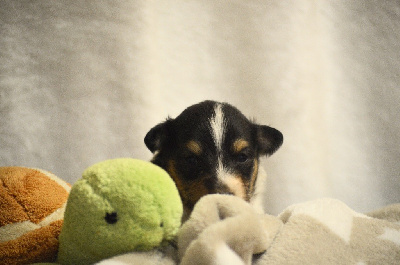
83 81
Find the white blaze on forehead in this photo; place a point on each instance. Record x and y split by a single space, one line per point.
218 126
222 173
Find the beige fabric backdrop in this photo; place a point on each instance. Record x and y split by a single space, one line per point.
83 81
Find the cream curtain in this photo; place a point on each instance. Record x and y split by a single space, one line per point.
83 81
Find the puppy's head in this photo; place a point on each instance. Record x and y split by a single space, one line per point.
210 148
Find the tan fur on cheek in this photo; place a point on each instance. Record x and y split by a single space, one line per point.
190 191
196 189
251 186
174 175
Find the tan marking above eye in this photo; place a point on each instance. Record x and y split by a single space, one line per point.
239 145
194 147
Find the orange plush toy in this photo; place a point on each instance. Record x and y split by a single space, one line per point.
32 204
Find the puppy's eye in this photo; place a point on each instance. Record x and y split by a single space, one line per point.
242 157
192 159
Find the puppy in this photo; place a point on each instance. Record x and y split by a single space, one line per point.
212 147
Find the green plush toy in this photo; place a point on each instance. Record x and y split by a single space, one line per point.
119 205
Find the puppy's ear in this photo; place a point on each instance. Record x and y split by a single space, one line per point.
269 139
156 136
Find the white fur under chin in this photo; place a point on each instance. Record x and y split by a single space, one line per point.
257 200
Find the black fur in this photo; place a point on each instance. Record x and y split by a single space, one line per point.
168 141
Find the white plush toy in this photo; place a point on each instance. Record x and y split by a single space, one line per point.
223 229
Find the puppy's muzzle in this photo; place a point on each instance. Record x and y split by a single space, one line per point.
221 188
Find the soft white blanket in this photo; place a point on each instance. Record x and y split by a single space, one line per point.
224 229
